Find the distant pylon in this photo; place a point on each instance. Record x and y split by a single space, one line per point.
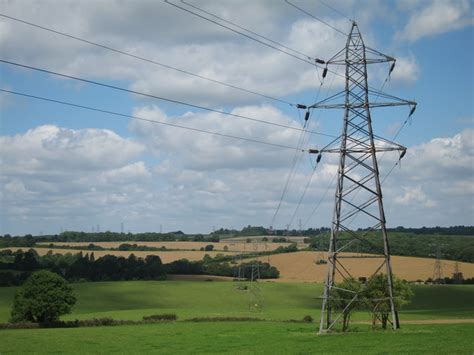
438 267
358 192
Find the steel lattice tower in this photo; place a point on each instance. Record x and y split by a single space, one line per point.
358 191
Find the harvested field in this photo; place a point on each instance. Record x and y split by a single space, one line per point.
301 266
166 256
235 246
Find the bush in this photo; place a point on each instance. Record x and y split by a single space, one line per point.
160 317
224 319
308 319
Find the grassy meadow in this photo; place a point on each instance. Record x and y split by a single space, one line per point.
239 338
282 302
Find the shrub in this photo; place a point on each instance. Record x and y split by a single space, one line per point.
308 319
160 317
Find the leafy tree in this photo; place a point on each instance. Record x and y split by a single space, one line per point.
43 298
342 299
209 247
376 294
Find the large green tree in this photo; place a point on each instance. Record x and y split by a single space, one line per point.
43 298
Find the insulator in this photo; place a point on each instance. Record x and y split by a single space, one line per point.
325 71
320 61
391 68
318 159
403 153
306 116
313 151
412 111
301 106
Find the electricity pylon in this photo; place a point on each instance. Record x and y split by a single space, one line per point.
359 191
438 268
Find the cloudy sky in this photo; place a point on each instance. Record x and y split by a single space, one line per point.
66 168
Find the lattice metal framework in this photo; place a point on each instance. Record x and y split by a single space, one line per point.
358 192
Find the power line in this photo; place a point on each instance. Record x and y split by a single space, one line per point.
296 157
90 108
290 175
308 60
302 196
336 10
167 66
316 18
245 29
156 97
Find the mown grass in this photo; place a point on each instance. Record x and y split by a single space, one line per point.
239 338
281 301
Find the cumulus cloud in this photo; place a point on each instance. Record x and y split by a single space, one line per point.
201 151
53 173
43 190
436 17
159 32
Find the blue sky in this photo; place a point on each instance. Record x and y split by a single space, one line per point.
66 168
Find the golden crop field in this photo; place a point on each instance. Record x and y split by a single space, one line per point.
301 266
235 246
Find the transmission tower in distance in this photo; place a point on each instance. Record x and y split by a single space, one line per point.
358 191
438 267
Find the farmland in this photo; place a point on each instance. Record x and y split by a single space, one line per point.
283 302
294 267
301 266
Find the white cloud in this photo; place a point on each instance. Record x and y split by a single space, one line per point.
406 70
201 151
415 196
44 192
49 148
436 17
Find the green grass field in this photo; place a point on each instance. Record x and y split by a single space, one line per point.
282 302
238 338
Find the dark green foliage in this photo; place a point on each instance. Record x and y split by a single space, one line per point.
307 319
160 317
346 301
94 322
224 319
376 294
251 230
372 296
43 298
453 247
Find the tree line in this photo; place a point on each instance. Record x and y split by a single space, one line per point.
459 248
15 267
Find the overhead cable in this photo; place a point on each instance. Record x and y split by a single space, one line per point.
243 28
158 97
90 108
316 18
309 60
336 10
167 66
